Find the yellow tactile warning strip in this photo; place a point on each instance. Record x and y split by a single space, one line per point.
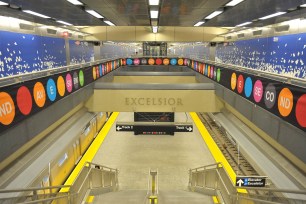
91 151
214 149
215 199
90 199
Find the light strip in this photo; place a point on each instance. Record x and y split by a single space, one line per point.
65 23
35 14
303 5
213 14
3 3
75 2
234 2
272 15
109 23
243 24
199 23
154 14
153 2
155 29
94 13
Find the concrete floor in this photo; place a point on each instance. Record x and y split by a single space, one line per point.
134 155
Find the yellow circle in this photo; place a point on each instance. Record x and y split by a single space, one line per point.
233 81
94 75
180 62
61 86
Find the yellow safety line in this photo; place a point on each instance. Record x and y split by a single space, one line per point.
215 199
91 151
214 149
90 199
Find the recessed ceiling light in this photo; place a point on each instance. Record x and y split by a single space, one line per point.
303 5
234 2
153 2
214 14
35 13
94 13
272 15
3 3
75 2
65 23
109 23
243 24
154 14
155 29
199 23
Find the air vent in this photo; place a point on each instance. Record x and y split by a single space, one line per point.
51 31
229 37
80 36
282 28
241 35
257 32
26 26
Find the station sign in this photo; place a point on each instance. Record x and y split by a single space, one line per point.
183 128
251 181
124 128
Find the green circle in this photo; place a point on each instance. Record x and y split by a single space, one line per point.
218 75
81 78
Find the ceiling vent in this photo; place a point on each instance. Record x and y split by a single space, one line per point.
26 26
229 37
51 31
282 28
257 32
241 35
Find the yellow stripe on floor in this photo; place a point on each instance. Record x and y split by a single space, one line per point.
90 199
215 199
91 151
214 149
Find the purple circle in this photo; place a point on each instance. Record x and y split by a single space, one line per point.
136 61
69 82
258 91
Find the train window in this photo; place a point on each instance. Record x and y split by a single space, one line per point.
87 130
62 159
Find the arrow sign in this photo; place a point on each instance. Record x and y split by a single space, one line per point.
240 182
189 129
183 128
124 127
118 128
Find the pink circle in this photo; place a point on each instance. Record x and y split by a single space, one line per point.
136 61
211 72
258 91
300 111
69 82
185 61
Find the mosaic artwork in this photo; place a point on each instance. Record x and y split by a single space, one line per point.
282 55
81 51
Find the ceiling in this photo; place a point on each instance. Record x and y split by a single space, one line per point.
172 12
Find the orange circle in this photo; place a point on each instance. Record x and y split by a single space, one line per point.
7 109
151 61
208 71
285 102
61 86
180 62
94 73
233 81
39 94
166 61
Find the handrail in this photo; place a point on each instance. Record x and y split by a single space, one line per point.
32 189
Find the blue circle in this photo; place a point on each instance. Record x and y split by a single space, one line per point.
129 61
51 89
100 70
248 87
173 61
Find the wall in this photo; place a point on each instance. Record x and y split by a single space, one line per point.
201 51
81 51
281 54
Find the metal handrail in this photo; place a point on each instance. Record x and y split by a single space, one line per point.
32 189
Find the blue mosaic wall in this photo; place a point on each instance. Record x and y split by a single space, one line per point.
81 51
22 53
282 55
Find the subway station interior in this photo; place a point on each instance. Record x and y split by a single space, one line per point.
153 101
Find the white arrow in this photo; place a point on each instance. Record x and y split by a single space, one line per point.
189 129
240 182
119 128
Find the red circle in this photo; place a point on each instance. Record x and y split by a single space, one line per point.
24 100
300 111
158 61
240 84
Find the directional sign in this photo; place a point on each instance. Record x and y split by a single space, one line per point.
183 128
251 181
124 128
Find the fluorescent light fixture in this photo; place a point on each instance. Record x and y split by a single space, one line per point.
234 2
214 14
199 23
272 15
243 24
154 14
109 23
75 2
35 14
155 29
153 2
303 5
94 13
3 3
65 23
